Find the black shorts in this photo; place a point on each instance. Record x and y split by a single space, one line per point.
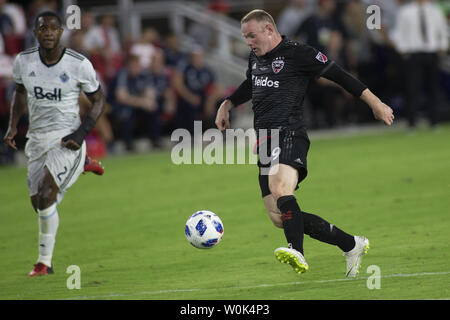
294 146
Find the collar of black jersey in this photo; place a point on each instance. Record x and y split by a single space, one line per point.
272 52
51 64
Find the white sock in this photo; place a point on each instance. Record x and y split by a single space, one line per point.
48 226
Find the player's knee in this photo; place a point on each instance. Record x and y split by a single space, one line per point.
46 195
279 189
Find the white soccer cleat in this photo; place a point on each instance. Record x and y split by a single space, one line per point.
354 256
292 257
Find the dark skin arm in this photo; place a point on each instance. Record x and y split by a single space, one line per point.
18 108
98 106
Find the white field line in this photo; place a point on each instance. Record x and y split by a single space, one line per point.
263 285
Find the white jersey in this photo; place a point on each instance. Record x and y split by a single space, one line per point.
53 90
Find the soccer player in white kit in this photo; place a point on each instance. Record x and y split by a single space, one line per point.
49 79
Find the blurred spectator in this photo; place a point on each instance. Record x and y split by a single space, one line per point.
6 154
359 59
104 47
165 96
292 16
135 101
382 73
388 13
325 32
87 21
17 15
6 22
76 42
103 36
144 48
200 32
421 37
12 30
359 46
172 53
6 63
7 87
198 92
102 135
11 41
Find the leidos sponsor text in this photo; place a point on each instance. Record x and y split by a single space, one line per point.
265 82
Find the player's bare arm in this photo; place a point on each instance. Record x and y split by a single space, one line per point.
380 110
223 115
74 140
18 107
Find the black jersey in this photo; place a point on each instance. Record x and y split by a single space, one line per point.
277 83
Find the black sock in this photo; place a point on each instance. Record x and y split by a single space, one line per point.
319 229
292 218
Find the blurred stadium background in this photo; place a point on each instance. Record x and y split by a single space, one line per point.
191 54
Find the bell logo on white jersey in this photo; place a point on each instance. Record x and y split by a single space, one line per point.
52 96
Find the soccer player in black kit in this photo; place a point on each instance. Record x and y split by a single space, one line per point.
277 78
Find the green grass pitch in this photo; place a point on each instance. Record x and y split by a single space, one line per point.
125 230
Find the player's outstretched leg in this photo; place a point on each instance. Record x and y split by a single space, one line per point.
354 247
94 166
354 256
282 181
48 227
48 221
292 219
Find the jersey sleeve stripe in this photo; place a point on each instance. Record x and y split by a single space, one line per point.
75 53
91 93
29 51
75 56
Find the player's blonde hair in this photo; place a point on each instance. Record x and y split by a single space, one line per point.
260 16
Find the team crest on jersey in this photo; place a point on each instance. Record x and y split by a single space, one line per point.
64 77
321 57
277 65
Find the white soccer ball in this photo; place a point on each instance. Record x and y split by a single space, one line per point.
204 229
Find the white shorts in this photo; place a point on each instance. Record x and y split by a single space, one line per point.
64 165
